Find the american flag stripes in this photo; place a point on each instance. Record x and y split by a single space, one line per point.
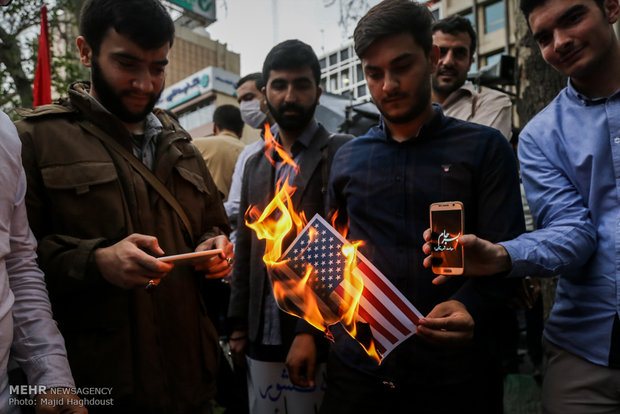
318 248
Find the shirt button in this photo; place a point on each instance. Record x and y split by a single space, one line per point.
617 140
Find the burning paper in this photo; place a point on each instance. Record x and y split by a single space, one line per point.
324 280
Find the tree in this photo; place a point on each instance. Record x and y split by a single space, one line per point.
539 82
19 34
350 11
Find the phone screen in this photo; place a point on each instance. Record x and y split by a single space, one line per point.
446 226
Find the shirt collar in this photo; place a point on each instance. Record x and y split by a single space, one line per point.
584 100
467 88
428 128
152 126
306 136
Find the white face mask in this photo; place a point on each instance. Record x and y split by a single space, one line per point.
251 113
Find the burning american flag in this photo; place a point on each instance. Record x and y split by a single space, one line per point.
338 280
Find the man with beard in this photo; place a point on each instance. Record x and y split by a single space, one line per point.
292 91
112 183
456 40
385 182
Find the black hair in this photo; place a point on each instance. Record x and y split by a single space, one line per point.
528 6
228 117
393 17
257 77
145 22
292 54
457 24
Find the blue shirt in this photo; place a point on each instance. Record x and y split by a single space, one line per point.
570 162
385 189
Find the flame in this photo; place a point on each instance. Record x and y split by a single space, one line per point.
275 224
271 146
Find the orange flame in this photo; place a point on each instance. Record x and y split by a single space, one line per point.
293 294
271 146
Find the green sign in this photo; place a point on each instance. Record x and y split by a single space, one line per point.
203 8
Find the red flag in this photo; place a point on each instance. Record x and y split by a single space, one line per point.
42 90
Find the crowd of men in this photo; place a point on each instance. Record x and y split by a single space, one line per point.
101 183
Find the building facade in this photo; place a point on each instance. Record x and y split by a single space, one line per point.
194 50
494 20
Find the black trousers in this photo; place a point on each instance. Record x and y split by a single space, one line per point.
352 391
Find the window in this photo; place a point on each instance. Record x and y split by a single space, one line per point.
346 79
360 72
470 16
322 63
344 54
333 59
197 117
494 58
494 17
361 91
333 83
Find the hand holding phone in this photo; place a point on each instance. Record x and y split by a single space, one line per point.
447 228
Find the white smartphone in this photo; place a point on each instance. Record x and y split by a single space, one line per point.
447 228
189 258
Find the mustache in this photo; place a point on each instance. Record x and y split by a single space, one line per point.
290 107
394 95
446 71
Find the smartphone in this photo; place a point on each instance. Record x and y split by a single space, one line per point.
447 228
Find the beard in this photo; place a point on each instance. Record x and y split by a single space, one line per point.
295 122
417 107
447 88
112 99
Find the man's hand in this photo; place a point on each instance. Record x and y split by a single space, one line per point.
61 401
301 360
218 266
238 341
482 258
448 324
126 265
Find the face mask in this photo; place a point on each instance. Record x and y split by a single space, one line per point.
251 113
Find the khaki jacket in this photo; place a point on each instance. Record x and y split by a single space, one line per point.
157 349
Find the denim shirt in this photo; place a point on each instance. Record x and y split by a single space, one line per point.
570 162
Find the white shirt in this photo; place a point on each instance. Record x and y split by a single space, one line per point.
35 344
487 107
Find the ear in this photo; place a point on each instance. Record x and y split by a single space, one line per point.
612 11
86 52
319 91
216 130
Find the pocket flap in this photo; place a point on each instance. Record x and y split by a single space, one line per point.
193 178
79 176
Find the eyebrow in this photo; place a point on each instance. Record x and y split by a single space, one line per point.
135 58
565 16
394 61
